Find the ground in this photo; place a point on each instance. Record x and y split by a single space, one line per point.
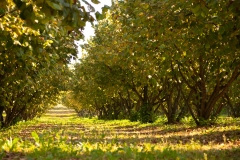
60 134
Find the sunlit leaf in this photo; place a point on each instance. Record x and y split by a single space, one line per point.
54 5
95 1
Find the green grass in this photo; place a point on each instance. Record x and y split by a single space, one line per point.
73 138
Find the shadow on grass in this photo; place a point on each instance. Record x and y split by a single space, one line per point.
217 137
130 135
133 134
128 142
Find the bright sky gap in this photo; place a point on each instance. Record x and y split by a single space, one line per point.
89 31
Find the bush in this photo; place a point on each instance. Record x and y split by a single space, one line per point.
134 116
146 116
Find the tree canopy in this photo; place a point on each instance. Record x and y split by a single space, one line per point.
37 43
174 57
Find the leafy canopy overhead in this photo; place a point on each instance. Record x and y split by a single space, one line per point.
71 15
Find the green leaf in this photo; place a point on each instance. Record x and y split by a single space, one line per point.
105 9
2 11
162 46
18 3
196 9
203 14
35 136
207 46
54 5
24 14
39 1
184 53
95 1
99 16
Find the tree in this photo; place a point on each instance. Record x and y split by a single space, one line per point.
35 49
210 69
170 54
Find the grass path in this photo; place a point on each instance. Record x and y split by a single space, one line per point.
60 111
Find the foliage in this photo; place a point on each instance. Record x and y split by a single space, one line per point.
145 115
134 117
173 56
210 69
71 14
37 43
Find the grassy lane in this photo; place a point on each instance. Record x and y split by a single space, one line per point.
60 111
68 137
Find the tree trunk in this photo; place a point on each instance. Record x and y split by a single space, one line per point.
146 110
1 117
